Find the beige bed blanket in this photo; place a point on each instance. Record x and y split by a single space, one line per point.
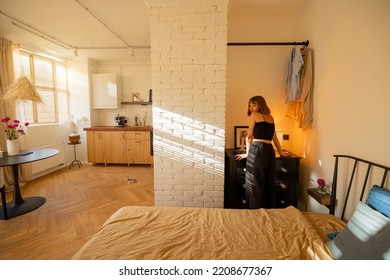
160 233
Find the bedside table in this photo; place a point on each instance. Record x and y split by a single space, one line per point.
323 199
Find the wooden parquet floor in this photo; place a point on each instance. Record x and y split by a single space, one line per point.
78 202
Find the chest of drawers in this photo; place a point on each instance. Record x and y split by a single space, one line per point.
286 187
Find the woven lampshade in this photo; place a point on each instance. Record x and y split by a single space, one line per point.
22 90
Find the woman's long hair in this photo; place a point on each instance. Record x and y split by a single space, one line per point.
259 101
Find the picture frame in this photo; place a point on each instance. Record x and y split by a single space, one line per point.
240 134
135 96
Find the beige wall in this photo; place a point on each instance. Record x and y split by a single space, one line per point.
350 39
259 70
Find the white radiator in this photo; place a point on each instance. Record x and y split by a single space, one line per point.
59 159
50 136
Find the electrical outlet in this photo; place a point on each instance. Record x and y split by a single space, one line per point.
286 136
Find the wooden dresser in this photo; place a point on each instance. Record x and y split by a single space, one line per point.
287 181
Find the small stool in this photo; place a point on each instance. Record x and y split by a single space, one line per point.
4 202
75 161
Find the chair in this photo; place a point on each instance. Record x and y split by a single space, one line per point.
3 201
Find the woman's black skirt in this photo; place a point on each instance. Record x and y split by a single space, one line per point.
260 176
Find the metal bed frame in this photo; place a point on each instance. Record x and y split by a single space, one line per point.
357 161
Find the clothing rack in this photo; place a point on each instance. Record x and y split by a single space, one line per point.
304 43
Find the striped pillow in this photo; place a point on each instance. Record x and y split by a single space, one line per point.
366 237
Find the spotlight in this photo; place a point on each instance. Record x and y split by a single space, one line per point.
131 51
75 53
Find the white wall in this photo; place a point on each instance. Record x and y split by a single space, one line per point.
79 100
188 53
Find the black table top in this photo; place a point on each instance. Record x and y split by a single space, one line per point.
26 156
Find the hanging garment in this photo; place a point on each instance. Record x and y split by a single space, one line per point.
306 84
295 63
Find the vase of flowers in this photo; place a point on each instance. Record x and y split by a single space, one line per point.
322 189
13 129
73 127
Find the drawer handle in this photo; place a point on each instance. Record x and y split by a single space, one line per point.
284 186
284 169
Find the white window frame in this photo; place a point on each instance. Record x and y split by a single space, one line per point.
54 89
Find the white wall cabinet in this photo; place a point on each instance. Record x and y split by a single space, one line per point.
106 91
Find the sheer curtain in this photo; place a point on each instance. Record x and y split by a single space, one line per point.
8 109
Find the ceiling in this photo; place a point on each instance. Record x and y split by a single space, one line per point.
115 30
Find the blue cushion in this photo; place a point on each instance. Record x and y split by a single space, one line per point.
366 236
379 199
332 235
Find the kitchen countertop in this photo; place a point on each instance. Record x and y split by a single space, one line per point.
119 128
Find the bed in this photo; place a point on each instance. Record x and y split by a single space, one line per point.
163 233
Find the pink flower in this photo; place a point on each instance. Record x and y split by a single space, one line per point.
14 129
5 119
321 182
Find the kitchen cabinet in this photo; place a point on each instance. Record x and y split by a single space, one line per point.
120 145
114 148
95 146
286 187
139 147
106 146
106 91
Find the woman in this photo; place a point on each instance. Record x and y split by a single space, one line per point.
260 164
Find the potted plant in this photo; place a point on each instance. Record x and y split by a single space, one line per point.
73 126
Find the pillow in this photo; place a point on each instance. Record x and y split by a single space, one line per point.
379 199
366 236
332 235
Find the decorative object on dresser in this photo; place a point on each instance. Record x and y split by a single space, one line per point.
286 188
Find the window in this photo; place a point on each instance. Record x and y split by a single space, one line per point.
50 80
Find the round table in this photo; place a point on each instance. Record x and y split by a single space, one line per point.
20 205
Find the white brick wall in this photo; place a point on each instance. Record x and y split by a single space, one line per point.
188 52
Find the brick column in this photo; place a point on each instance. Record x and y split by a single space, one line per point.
188 55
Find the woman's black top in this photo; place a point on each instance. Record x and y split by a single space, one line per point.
264 130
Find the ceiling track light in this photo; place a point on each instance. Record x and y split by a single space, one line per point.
29 28
105 25
48 37
37 32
